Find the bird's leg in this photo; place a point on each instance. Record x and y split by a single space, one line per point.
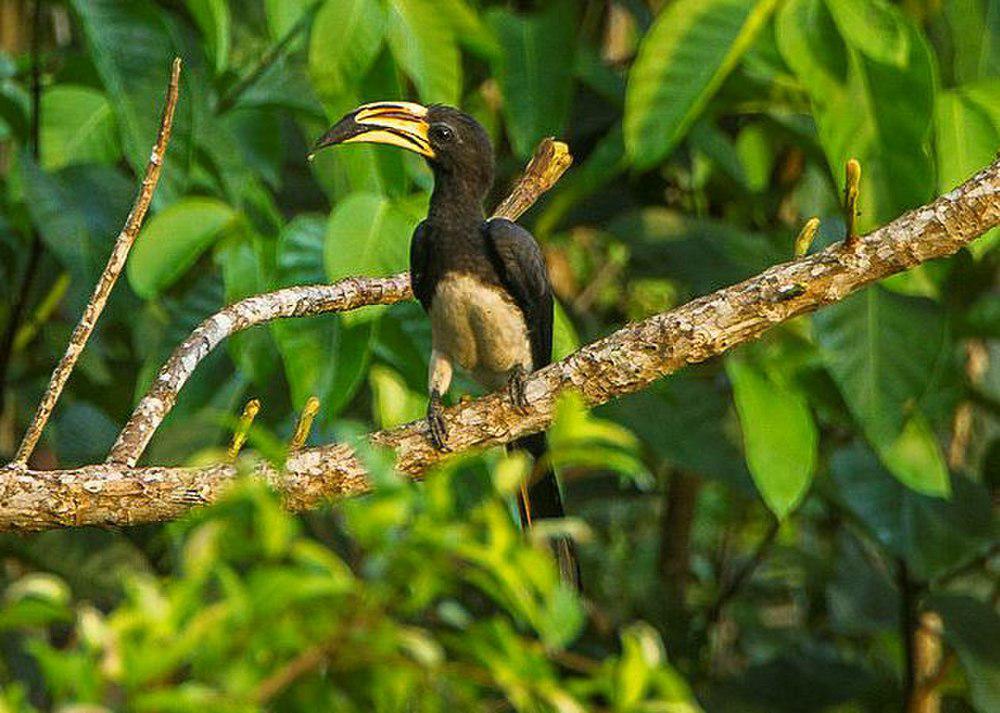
439 379
515 387
435 422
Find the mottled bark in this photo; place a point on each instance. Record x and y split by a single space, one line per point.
624 362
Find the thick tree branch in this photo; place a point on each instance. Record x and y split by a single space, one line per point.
116 263
624 362
550 161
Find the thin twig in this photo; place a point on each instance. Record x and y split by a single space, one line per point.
550 161
108 278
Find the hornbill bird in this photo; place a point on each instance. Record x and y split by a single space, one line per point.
482 282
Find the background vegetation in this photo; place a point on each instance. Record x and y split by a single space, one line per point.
803 525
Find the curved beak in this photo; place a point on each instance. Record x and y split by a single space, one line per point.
402 124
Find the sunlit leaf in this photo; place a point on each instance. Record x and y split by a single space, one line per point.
779 436
423 43
78 126
173 239
345 38
682 61
535 71
873 27
214 22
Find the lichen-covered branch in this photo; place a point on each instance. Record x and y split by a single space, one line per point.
116 263
621 363
550 161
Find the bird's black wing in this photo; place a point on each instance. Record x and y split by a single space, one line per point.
420 278
519 263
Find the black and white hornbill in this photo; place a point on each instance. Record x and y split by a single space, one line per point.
482 282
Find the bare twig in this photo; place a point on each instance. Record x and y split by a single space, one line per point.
550 161
622 363
108 278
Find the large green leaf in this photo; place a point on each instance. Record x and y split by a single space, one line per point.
682 61
887 352
367 234
967 133
423 43
132 46
684 420
469 28
215 24
877 112
535 70
78 126
779 436
173 239
345 39
932 534
322 356
872 27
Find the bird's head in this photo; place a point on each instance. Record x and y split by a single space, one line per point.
454 144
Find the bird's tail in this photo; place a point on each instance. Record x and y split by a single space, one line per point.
540 498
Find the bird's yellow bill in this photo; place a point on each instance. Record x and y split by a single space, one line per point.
402 124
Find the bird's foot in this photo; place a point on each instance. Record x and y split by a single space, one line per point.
515 388
435 422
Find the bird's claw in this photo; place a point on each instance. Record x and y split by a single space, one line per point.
435 423
515 388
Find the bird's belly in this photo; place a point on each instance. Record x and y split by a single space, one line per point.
479 328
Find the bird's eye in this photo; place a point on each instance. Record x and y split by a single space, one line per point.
442 132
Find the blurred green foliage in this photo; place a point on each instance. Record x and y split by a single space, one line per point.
777 517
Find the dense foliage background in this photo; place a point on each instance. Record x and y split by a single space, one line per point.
803 525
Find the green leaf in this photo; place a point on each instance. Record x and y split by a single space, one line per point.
684 420
915 458
422 41
212 17
878 113
972 628
779 436
884 351
345 39
469 28
173 239
78 126
873 27
322 356
578 438
966 140
535 71
932 534
367 234
682 61
132 46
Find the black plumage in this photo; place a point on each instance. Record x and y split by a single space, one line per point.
483 282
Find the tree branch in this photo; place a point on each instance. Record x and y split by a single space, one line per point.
622 363
116 263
